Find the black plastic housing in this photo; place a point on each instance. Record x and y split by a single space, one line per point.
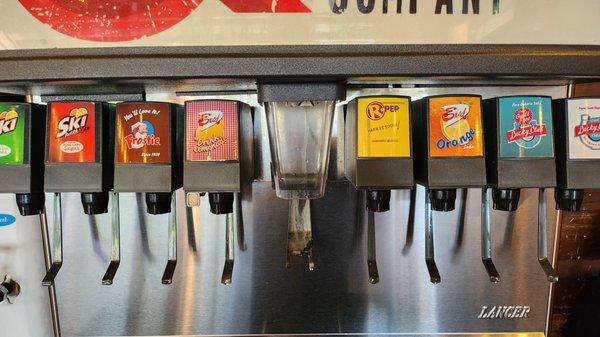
27 180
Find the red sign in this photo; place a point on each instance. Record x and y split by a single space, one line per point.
524 132
212 130
587 129
125 20
71 132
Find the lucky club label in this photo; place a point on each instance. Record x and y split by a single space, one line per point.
383 127
12 134
526 127
212 131
455 128
143 133
584 128
71 132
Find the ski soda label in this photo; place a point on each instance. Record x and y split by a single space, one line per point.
72 133
12 134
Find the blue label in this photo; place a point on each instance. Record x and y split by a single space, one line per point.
526 127
7 220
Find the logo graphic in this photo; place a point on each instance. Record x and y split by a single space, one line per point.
142 134
7 220
589 131
376 110
73 124
383 128
455 126
209 133
504 312
8 121
527 133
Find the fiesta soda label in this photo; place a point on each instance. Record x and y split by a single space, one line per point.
71 132
455 128
584 128
212 131
12 134
526 127
383 127
143 133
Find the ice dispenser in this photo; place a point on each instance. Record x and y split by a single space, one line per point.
299 120
449 154
148 159
79 158
378 157
577 140
219 161
22 127
520 154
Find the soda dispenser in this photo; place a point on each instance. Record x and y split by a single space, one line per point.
148 159
79 158
520 154
378 157
299 121
219 158
449 152
577 141
22 127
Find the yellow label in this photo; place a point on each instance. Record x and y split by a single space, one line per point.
383 127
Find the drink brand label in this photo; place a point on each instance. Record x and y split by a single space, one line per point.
383 127
526 127
143 133
212 131
455 128
584 128
72 133
12 134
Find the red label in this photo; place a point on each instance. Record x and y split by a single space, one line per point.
587 129
211 130
71 135
526 132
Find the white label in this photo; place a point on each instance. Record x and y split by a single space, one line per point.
4 150
584 128
71 147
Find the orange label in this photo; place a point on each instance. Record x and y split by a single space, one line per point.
71 132
455 128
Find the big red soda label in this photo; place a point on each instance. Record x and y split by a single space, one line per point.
71 132
143 133
584 128
455 127
526 127
212 131
12 134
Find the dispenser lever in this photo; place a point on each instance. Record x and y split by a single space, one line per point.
371 249
229 249
486 238
300 232
434 274
115 257
57 254
543 239
167 277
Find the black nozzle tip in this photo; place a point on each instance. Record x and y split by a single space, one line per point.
158 203
378 200
442 200
506 199
30 203
569 200
220 203
95 203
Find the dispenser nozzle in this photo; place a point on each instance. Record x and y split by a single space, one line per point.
434 274
486 239
95 203
378 200
569 200
551 274
506 199
158 203
300 232
30 203
57 243
442 200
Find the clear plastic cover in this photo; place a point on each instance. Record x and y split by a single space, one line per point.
299 135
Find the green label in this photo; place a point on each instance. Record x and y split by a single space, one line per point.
12 134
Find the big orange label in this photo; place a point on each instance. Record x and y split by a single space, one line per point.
143 133
71 132
211 130
455 128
